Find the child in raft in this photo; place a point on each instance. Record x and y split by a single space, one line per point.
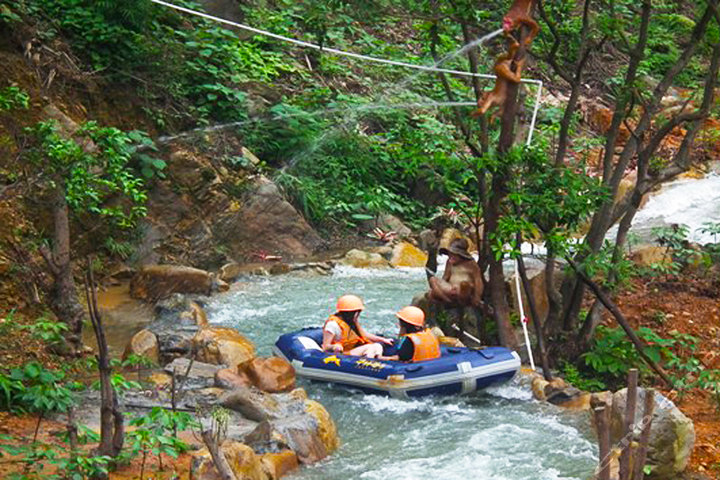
343 334
417 343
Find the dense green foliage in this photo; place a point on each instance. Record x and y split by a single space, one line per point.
91 175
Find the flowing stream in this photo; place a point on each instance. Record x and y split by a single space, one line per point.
501 434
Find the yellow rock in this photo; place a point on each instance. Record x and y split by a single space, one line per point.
143 344
278 464
299 394
221 345
359 259
408 255
243 461
326 426
581 402
538 387
652 254
161 380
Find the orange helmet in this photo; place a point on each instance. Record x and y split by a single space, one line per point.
412 315
349 303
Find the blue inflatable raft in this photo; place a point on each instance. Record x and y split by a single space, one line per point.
458 371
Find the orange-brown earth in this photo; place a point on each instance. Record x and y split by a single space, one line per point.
687 305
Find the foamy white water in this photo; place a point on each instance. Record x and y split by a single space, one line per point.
686 201
501 434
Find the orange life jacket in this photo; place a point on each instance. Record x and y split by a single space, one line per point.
349 339
426 346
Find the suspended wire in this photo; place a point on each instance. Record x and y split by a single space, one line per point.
359 56
327 49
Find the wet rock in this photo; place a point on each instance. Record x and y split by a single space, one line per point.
279 269
160 380
672 436
568 397
202 397
177 320
408 255
230 379
155 282
201 374
276 465
319 268
302 436
243 461
272 374
650 255
230 271
143 344
386 251
223 346
326 427
538 386
389 223
359 259
298 394
257 405
266 220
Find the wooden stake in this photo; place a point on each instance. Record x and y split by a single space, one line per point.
629 426
638 472
603 429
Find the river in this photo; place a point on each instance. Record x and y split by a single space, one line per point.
502 434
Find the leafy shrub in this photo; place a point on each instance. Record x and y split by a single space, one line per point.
33 388
13 97
38 456
156 433
47 330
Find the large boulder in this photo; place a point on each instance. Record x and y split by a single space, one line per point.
272 374
243 462
265 220
144 344
406 254
672 436
310 432
222 346
359 259
155 282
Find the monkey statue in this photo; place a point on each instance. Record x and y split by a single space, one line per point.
517 16
505 75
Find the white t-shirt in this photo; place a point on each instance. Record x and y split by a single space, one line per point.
333 327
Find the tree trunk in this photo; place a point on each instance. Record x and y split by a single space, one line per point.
112 422
63 296
218 457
